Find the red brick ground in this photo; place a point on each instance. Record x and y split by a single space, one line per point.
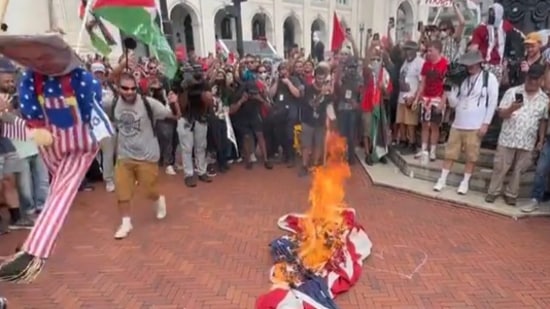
211 252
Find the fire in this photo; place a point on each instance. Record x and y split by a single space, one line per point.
321 229
318 243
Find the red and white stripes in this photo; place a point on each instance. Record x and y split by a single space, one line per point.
15 130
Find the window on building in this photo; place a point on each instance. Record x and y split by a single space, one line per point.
343 2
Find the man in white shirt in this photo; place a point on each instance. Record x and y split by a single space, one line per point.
474 103
409 79
524 110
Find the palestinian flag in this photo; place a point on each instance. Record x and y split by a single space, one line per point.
373 102
101 42
136 18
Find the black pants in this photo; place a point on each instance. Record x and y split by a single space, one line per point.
280 132
218 141
165 130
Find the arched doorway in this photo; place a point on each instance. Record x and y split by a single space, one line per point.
184 21
318 26
291 32
261 27
404 23
223 25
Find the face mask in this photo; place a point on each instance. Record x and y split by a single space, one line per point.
263 75
444 34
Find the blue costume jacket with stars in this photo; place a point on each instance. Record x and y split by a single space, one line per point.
79 90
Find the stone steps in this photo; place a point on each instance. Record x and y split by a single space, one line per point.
480 180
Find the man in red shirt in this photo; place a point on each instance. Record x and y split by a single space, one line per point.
430 99
490 39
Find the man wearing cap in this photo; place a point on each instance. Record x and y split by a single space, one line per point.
474 102
409 80
533 55
524 110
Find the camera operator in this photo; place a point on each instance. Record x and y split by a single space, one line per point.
286 92
474 101
192 128
517 71
347 82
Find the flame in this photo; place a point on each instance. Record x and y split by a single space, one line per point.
322 228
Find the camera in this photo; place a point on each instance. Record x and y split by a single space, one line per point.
456 74
187 75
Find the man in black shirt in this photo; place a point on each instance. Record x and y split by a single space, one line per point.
314 110
286 93
246 111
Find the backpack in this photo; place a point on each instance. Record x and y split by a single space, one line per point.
148 109
483 87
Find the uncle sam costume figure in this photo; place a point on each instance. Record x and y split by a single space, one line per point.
60 105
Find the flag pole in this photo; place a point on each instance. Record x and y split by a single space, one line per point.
87 12
3 9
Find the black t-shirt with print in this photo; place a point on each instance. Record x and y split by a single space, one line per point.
314 109
283 97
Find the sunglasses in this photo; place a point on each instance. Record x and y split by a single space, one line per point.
442 29
125 88
261 72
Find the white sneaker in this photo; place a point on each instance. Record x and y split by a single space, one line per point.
110 186
433 156
170 170
463 188
253 158
424 158
440 185
418 155
532 206
123 230
160 206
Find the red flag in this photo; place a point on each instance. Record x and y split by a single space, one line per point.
82 9
181 52
338 34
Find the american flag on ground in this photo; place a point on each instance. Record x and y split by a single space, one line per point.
318 292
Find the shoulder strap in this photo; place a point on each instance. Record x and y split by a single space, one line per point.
484 88
149 110
113 106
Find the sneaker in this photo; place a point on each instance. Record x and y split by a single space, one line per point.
110 186
170 170
489 198
190 181
253 158
22 224
3 303
433 156
531 207
463 188
424 158
160 206
123 230
268 165
418 155
205 178
440 185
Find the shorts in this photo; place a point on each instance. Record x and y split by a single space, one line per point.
250 127
406 115
429 113
463 141
312 137
366 119
128 171
9 164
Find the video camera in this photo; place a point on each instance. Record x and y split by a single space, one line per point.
188 75
455 76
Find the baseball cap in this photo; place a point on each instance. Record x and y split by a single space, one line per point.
536 71
97 67
533 38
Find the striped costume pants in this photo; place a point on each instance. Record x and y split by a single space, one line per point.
67 171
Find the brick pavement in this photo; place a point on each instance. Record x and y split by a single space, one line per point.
211 252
